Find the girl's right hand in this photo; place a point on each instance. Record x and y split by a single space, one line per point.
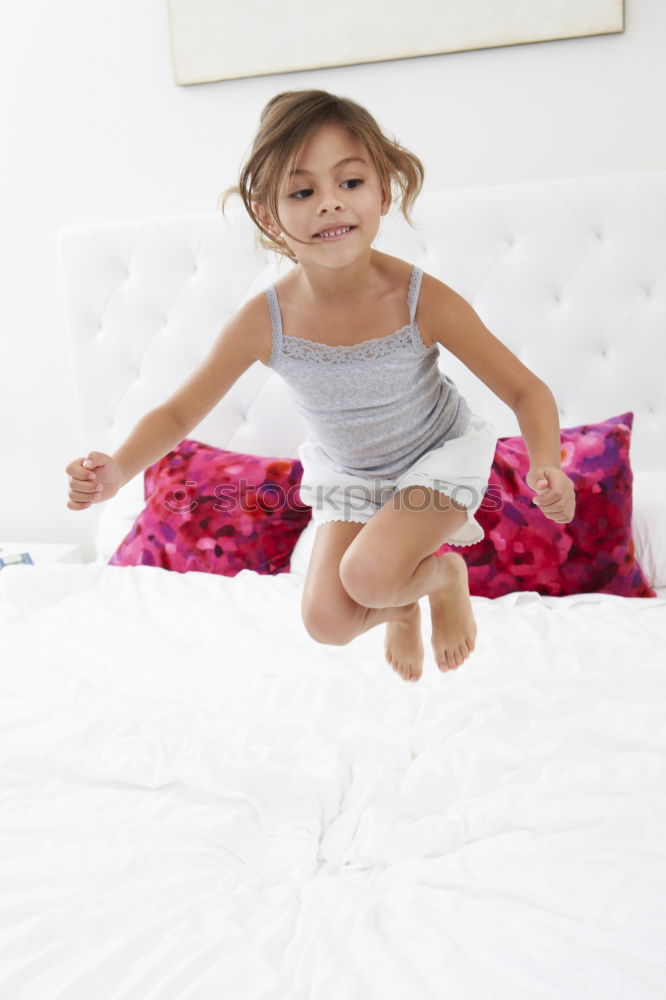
93 478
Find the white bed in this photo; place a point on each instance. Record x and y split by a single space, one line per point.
200 801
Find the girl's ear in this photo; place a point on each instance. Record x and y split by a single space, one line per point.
386 202
264 218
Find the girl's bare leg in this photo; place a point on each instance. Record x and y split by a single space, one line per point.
403 646
372 581
453 632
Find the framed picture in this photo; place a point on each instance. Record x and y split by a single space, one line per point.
224 39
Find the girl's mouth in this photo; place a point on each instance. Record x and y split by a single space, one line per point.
331 235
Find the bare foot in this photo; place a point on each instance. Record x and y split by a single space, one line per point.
403 644
453 625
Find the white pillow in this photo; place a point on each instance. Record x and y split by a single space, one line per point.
300 557
117 517
649 525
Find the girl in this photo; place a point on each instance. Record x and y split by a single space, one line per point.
395 464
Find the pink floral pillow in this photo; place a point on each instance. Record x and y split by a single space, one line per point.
523 550
217 511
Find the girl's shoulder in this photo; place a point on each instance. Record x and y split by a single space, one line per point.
439 306
252 323
435 300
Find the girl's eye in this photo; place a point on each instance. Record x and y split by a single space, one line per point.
353 182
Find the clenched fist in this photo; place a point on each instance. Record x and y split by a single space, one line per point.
555 494
94 478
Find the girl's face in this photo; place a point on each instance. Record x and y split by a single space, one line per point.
332 199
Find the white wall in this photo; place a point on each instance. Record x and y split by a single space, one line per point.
94 129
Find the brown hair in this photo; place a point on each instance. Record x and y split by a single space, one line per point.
286 124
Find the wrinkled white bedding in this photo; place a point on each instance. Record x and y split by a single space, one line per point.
199 801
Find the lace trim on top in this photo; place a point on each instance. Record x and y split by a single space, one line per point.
379 347
311 350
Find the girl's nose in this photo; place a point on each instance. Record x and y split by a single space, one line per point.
330 203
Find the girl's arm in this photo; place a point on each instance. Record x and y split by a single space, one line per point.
446 317
242 341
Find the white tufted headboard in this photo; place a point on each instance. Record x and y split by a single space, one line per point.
570 274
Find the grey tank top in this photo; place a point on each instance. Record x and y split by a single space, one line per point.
376 407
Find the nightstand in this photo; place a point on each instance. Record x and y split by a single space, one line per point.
39 553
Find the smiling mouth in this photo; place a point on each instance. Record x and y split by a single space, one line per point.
334 234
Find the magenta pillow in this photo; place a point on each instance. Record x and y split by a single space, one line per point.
217 511
523 550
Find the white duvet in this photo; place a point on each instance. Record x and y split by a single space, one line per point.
199 801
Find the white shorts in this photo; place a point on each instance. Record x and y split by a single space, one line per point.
459 470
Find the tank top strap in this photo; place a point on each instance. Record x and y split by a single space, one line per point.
276 324
413 293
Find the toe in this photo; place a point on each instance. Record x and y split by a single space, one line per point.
409 672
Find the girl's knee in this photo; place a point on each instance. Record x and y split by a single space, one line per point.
328 628
367 582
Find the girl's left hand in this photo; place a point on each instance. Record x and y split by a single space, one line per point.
556 496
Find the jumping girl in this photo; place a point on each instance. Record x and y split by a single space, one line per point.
395 463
